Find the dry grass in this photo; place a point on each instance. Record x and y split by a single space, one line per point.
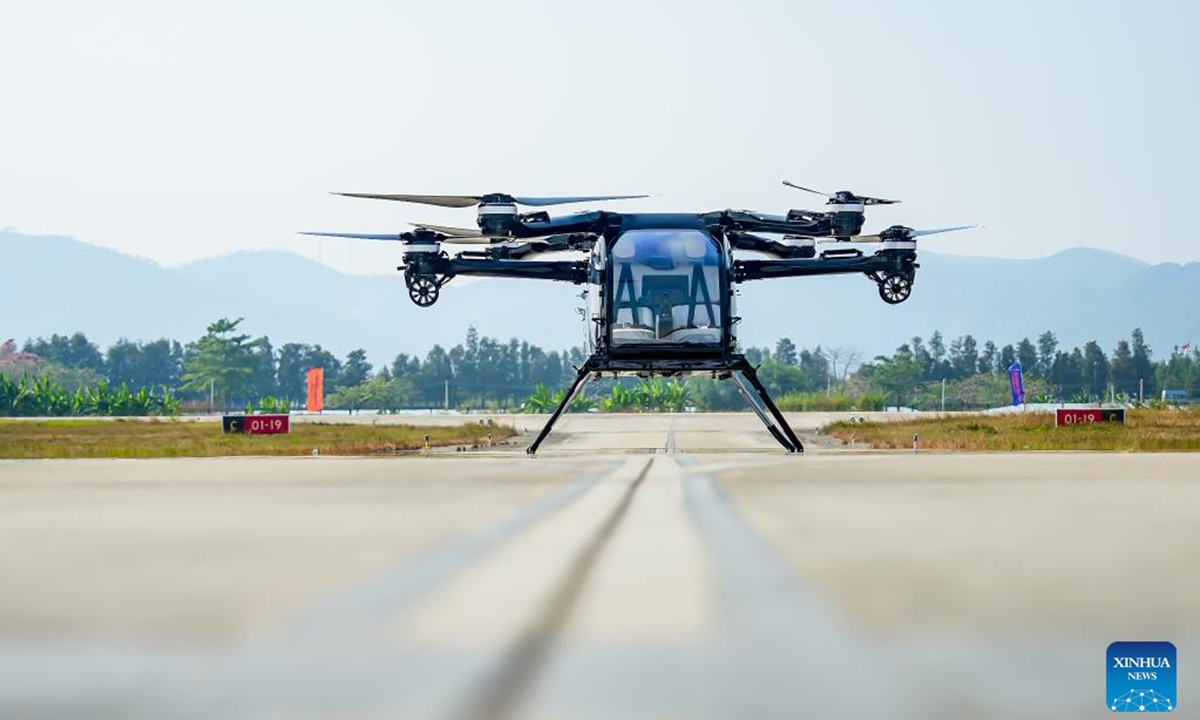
167 438
1143 431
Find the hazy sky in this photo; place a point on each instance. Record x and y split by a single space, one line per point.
178 130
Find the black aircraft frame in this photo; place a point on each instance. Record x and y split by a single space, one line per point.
687 274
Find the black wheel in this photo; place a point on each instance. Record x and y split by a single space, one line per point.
895 289
423 291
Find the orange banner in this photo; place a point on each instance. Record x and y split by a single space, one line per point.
316 390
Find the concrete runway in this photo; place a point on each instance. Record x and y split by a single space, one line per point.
651 566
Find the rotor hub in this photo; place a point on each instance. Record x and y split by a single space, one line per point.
495 218
845 218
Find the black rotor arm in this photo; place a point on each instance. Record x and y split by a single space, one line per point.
574 242
881 263
439 265
809 224
768 246
541 225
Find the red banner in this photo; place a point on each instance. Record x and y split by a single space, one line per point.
316 390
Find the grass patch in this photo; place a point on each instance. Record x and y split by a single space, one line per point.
1143 431
169 438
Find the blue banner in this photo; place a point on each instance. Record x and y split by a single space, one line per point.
1017 380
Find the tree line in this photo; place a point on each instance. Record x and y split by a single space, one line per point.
1052 373
235 369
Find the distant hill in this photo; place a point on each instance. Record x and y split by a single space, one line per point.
57 284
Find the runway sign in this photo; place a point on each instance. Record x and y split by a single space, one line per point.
257 424
1088 416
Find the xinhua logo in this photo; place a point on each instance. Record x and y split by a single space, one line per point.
1141 677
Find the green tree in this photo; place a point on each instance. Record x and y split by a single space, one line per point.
1181 371
757 356
897 376
405 366
436 372
937 347
964 357
356 370
1047 347
264 380
1142 365
221 360
988 358
75 351
785 352
780 378
290 371
1008 356
814 368
1094 371
1066 373
154 364
921 357
1122 371
294 362
1028 357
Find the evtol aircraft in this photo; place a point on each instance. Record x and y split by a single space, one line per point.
659 288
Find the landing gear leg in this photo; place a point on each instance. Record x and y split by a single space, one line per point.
745 379
581 379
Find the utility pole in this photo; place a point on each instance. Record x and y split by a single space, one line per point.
1141 390
943 395
212 385
446 390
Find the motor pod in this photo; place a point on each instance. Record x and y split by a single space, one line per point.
898 237
497 219
846 217
801 247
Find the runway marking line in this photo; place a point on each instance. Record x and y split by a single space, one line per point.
500 695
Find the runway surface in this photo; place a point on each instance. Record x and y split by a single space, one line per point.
652 566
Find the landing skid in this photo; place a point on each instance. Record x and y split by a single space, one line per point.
737 369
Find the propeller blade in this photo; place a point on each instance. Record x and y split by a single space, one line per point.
911 234
356 236
450 232
853 239
475 240
465 201
545 201
935 231
451 201
814 192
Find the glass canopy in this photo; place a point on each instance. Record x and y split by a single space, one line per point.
665 286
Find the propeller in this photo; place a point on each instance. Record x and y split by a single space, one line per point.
451 233
465 201
899 232
357 236
425 233
843 196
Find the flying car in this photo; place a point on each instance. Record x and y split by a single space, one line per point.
659 288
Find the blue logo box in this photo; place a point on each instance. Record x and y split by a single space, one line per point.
1141 677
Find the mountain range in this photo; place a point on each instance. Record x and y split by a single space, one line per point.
60 285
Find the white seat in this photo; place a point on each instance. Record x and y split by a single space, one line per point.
632 335
625 318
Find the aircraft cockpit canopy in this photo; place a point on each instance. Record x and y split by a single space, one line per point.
666 289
